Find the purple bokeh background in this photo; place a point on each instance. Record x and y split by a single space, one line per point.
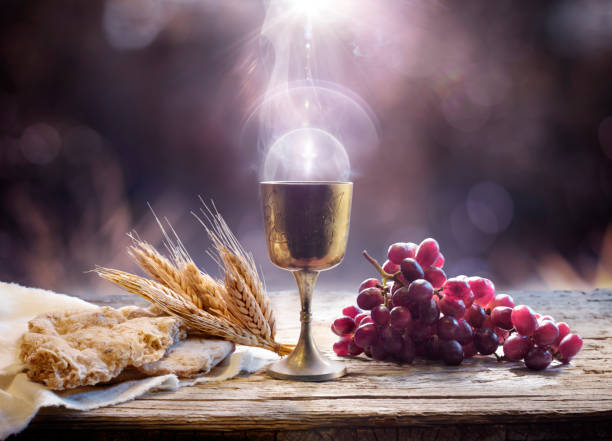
494 128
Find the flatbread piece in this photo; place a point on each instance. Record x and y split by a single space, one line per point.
189 358
76 348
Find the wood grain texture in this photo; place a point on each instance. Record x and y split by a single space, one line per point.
481 399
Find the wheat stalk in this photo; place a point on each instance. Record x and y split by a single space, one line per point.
235 309
195 317
249 299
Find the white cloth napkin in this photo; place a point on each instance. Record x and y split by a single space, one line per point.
21 398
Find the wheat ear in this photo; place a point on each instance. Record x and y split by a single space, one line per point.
250 298
161 269
210 292
245 272
241 302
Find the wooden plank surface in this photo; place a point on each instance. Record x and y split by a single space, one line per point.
481 393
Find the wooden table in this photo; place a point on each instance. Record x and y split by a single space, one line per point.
481 399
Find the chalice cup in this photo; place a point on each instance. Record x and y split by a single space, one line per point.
307 225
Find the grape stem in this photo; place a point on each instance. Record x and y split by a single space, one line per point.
385 275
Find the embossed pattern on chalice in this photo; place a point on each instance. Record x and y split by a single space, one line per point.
306 223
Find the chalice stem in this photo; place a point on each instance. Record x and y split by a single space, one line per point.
306 362
306 281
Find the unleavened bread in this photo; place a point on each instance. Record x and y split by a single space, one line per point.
67 349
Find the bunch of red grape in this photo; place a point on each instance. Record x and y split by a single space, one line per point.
416 311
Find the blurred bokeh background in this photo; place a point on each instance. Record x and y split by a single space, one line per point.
493 120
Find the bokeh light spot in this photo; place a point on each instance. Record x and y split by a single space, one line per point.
132 24
40 143
489 207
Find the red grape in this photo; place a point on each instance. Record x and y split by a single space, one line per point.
469 299
401 250
353 349
407 353
475 315
421 333
487 323
414 309
378 351
483 290
392 340
501 317
366 319
435 276
501 300
464 332
400 317
456 288
486 341
419 349
343 325
538 359
564 329
351 311
365 335
428 311
451 352
380 315
546 333
368 283
439 261
360 317
428 252
447 328
390 267
420 290
569 347
516 347
524 320
369 298
341 346
413 247
432 348
469 350
411 270
452 306
401 297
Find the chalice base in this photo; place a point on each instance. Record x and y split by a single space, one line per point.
306 363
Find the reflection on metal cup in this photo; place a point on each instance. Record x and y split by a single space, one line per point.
307 225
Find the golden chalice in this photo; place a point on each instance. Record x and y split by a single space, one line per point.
307 225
